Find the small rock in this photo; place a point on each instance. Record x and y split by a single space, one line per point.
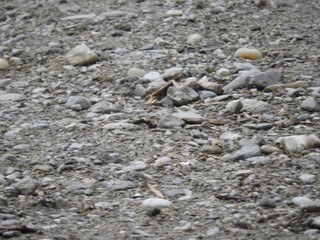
268 149
255 106
134 166
182 95
260 3
3 64
170 121
156 203
136 72
174 13
207 94
119 125
315 222
212 231
80 17
152 76
27 186
6 97
171 72
248 53
307 178
81 55
301 201
243 173
223 72
140 90
260 160
194 38
211 149
310 104
264 79
78 103
118 184
162 161
187 114
267 203
246 152
259 126
310 206
241 81
298 143
153 212
212 86
103 107
234 106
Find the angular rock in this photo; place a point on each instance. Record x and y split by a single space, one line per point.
103 107
170 121
78 103
182 95
264 79
242 80
171 72
310 104
134 166
212 86
255 106
298 143
246 152
81 55
162 161
234 106
27 186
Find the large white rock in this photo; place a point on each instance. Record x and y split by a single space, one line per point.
81 55
298 143
3 64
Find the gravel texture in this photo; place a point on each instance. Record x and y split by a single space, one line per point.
136 120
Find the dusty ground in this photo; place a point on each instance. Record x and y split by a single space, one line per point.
75 159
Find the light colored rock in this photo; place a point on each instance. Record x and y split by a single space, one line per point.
182 95
110 15
187 114
212 86
155 85
174 13
6 97
136 72
81 55
80 17
223 72
246 152
234 106
298 143
162 161
15 61
78 103
307 178
259 160
264 79
310 104
118 184
119 125
152 76
255 106
156 203
241 173
134 166
3 64
301 201
194 38
248 53
103 107
310 206
171 72
242 80
27 186
268 149
169 121
229 136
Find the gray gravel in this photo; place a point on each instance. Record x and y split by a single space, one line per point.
135 119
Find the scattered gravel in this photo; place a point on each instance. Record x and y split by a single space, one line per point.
158 120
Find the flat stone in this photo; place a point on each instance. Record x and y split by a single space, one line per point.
307 178
241 81
234 106
27 186
136 72
212 86
80 17
134 166
162 161
260 160
81 55
187 114
78 103
255 106
182 95
118 184
246 152
301 201
248 53
298 143
264 79
310 104
6 97
152 76
194 38
171 72
156 203
119 125
174 13
170 121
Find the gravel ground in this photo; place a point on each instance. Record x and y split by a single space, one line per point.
228 149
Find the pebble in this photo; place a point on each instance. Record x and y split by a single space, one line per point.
134 166
152 76
264 79
119 125
267 203
27 186
248 53
81 55
307 178
182 95
234 106
170 121
315 222
6 97
241 81
3 64
174 13
310 206
212 86
172 72
298 143
78 103
310 104
194 38
255 106
246 152
259 160
211 149
118 184
260 3
212 232
156 203
268 149
136 72
103 107
301 201
162 161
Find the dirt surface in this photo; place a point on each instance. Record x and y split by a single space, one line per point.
88 172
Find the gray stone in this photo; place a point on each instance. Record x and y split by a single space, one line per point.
171 72
103 107
162 161
310 104
170 121
80 17
152 76
246 152
253 105
119 125
260 160
259 126
136 72
301 201
155 85
298 143
78 103
118 184
307 178
81 55
241 81
187 114
264 79
234 106
194 38
6 97
211 149
134 166
182 95
310 206
207 94
27 186
267 203
156 203
212 86
139 91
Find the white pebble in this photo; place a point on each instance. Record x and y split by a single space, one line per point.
3 64
300 200
136 72
162 161
307 178
156 203
174 12
194 38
